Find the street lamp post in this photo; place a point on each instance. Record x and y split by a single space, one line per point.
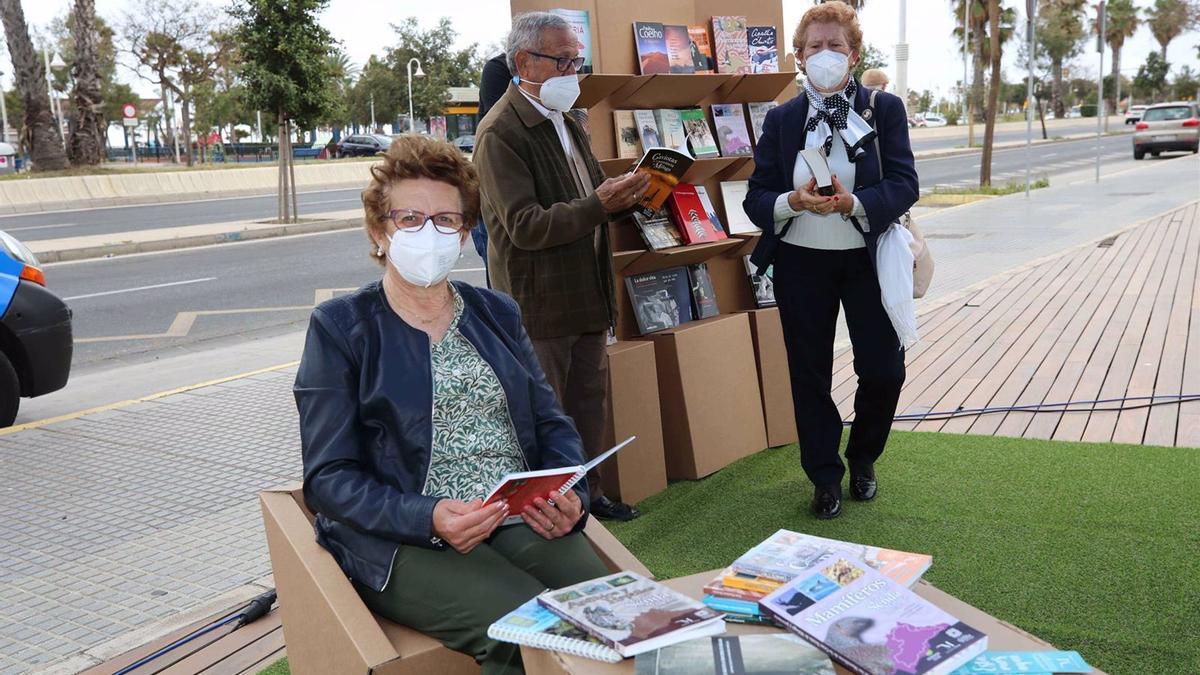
54 107
3 114
373 130
902 56
412 122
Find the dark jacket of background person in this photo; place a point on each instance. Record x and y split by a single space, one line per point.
884 201
493 82
548 247
365 396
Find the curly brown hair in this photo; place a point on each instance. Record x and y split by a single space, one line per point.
830 12
414 156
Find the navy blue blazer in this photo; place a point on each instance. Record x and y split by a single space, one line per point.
884 200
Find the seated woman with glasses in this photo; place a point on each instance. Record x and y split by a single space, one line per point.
416 395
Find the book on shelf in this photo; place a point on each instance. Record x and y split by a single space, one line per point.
871 624
666 168
519 489
658 231
660 300
632 614
702 193
758 114
785 554
629 142
733 193
691 217
581 25
535 626
704 299
702 53
699 135
647 129
651 41
764 49
730 123
762 286
732 52
769 654
679 49
670 129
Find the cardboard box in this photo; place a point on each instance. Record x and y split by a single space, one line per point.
712 412
639 470
328 629
774 381
1001 636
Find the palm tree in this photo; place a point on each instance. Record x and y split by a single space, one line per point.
977 33
41 136
86 143
985 163
856 4
1060 32
1120 23
1168 19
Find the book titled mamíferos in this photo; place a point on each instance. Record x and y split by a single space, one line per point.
764 51
661 299
651 41
785 554
871 624
535 626
632 614
773 654
581 25
666 167
733 51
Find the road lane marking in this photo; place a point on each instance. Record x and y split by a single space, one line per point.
40 227
356 200
148 205
140 288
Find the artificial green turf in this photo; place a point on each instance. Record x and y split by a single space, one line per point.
1092 547
280 667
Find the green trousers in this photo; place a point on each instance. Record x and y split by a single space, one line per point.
454 598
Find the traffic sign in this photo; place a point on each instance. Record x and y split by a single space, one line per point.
128 111
131 121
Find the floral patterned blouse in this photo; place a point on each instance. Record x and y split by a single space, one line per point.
474 442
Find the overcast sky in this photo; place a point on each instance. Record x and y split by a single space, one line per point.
935 62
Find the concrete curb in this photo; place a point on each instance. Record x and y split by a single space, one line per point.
171 243
955 152
936 199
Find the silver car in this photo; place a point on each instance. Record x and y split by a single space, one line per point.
1167 126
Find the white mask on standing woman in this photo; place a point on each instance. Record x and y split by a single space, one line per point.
424 257
826 69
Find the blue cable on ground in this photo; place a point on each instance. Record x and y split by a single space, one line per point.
1060 407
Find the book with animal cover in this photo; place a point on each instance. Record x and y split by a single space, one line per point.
632 614
647 129
764 49
691 217
758 114
679 49
702 193
732 136
629 142
704 299
660 300
581 25
785 554
719 588
535 626
666 167
519 489
658 231
761 285
699 135
651 41
670 129
768 654
702 53
871 624
737 221
732 50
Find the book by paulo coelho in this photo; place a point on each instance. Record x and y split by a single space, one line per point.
869 623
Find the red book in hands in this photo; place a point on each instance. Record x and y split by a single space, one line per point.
692 218
521 488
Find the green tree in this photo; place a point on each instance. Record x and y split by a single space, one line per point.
1168 19
921 102
979 41
40 135
1185 85
868 59
87 138
1120 23
377 85
286 68
1151 79
1061 34
444 67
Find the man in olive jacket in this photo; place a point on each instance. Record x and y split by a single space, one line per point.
547 205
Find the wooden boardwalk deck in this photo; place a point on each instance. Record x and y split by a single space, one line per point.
1116 318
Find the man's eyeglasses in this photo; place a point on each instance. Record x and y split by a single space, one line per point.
562 62
410 221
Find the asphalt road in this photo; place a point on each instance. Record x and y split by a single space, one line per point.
1008 165
925 138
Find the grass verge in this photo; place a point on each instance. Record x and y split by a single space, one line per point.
993 190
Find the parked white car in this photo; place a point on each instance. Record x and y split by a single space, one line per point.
1134 114
933 119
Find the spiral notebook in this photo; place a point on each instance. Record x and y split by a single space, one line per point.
535 626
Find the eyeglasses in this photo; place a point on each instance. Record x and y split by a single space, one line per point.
410 221
562 62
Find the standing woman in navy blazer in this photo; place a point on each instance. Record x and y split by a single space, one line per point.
823 247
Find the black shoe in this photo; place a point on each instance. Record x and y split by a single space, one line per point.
827 502
862 484
606 509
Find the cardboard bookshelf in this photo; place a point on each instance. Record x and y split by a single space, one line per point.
725 348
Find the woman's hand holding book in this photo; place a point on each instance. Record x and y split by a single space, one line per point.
465 525
554 517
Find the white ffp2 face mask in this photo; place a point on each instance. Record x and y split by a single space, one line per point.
826 69
424 257
558 93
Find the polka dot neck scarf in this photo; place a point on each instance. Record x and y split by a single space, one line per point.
834 112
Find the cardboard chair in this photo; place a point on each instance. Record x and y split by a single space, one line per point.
328 629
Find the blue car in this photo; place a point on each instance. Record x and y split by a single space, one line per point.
35 331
